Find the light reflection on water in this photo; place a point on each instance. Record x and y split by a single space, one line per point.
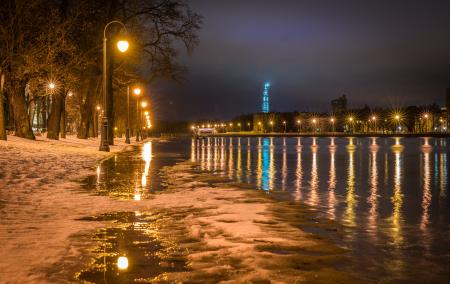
389 193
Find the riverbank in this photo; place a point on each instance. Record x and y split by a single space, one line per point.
39 202
330 134
50 227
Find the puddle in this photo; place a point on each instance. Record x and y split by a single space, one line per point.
132 249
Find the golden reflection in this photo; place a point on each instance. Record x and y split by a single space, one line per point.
443 174
230 159
332 184
351 145
314 143
426 195
98 174
248 142
397 197
298 172
284 169
397 147
222 156
208 154
122 262
314 183
350 198
332 143
193 150
372 200
284 142
271 165
216 154
147 157
239 162
259 165
203 155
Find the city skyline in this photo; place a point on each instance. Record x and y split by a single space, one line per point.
377 53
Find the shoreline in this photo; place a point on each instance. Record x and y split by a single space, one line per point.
337 135
202 216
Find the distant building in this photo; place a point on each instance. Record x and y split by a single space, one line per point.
265 98
339 105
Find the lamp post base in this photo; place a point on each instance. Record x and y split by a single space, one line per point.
127 136
137 136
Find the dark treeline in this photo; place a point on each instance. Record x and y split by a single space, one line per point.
51 60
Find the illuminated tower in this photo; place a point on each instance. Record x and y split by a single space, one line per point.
265 102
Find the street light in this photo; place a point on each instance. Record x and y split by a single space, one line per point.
298 124
332 120
284 122
122 45
271 123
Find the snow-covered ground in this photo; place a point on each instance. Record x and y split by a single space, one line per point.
245 236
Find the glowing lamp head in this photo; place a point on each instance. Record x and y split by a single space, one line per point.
146 113
98 107
314 120
122 45
350 118
231 124
397 116
284 122
137 91
51 85
69 94
298 121
122 262
332 119
426 115
374 118
144 104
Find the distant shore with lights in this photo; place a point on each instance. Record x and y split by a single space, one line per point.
330 134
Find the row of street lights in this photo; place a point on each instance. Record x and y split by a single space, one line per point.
397 118
122 46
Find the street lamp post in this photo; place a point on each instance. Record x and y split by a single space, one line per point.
127 131
107 80
298 125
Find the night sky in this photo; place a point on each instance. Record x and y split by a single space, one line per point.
380 53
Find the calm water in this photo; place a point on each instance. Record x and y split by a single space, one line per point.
390 194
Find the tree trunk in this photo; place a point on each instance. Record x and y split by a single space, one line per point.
54 118
19 106
62 126
88 105
2 109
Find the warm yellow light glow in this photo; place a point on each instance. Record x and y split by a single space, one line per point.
146 113
122 45
259 122
51 85
137 196
314 120
374 118
192 127
98 107
70 94
397 116
426 115
332 119
271 122
284 122
115 128
298 121
209 125
231 124
144 104
350 118
239 124
137 91
122 262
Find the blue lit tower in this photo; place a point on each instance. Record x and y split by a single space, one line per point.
265 102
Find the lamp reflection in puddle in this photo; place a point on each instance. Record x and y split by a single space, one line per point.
122 262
